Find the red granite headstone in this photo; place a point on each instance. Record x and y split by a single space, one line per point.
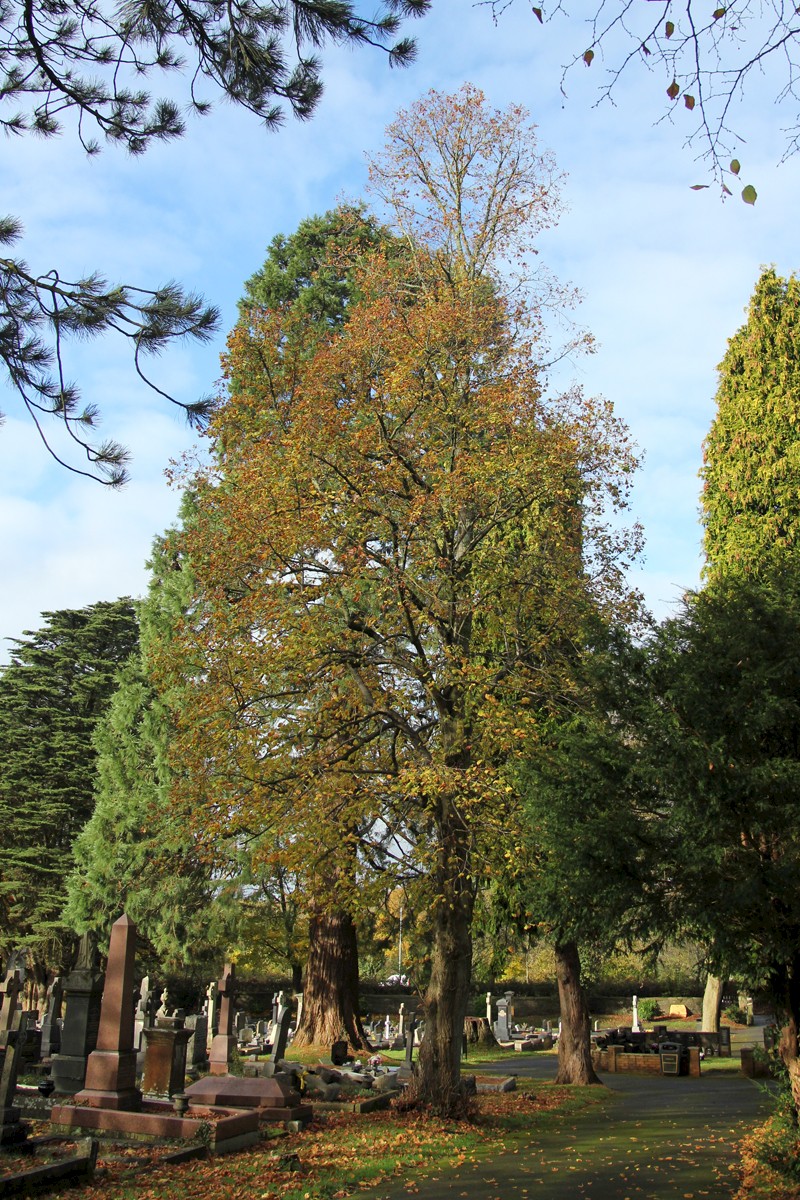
111 1069
224 1043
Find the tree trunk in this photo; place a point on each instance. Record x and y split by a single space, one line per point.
478 1032
438 1083
330 991
712 1004
574 1042
789 1045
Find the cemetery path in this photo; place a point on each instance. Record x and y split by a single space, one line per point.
656 1138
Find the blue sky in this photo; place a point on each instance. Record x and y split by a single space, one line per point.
666 274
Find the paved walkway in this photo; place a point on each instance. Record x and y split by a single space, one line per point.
659 1138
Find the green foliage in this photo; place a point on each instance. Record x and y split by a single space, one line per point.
751 501
38 313
735 1014
313 269
723 751
251 53
649 1009
87 63
591 838
53 693
135 854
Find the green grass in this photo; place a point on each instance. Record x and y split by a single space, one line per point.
345 1155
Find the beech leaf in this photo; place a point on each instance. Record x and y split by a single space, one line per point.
669 29
537 12
736 166
588 56
718 12
689 102
749 194
698 187
673 90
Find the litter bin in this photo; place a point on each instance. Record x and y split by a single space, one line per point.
670 1053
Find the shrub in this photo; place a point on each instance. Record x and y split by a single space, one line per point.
649 1009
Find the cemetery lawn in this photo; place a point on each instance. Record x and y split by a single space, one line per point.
347 1153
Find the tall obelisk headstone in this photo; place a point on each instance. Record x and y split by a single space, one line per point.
111 1069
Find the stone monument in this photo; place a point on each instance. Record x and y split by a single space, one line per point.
224 1043
83 992
111 1069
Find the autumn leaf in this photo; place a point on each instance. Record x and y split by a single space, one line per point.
673 90
588 55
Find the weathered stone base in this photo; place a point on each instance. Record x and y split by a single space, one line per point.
370 1104
226 1133
80 1166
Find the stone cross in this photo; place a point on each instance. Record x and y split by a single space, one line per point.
111 1069
224 1043
10 989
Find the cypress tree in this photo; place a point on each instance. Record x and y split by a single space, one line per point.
52 694
135 853
751 501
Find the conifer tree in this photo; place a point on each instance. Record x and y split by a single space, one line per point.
751 501
135 854
52 695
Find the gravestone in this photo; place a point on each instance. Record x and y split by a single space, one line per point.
165 1058
83 992
10 990
111 1068
501 1029
212 1012
224 1043
11 1128
141 1017
196 1051
281 1034
340 1053
635 1011
489 1007
51 1025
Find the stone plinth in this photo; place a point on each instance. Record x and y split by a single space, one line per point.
274 1100
165 1061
